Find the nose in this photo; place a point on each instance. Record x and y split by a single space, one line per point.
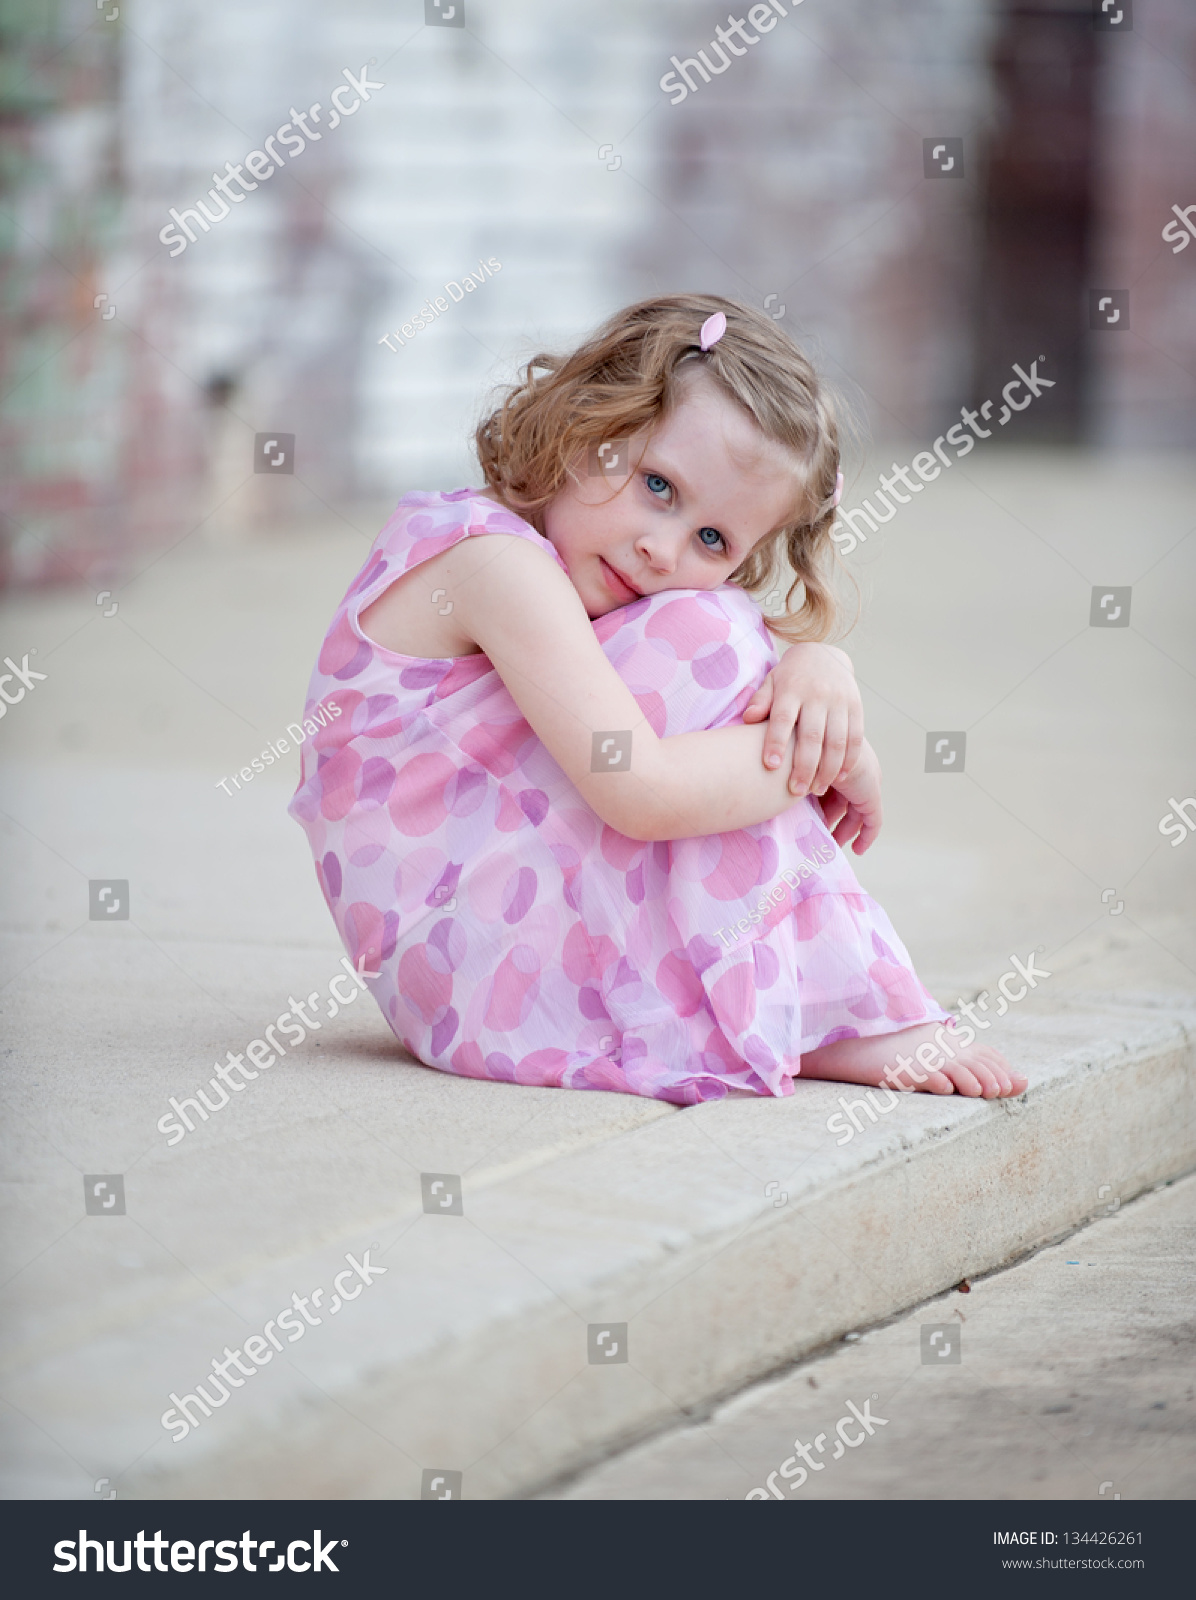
660 547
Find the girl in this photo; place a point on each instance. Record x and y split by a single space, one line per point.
548 821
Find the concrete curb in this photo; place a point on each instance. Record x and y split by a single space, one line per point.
730 1239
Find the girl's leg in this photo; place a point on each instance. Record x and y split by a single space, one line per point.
693 660
690 1021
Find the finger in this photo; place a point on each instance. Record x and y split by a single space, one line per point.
834 748
847 827
781 721
834 809
845 835
855 735
871 826
760 702
811 725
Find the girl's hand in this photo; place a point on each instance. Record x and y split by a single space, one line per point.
851 807
812 688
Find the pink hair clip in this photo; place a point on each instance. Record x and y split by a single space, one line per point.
838 490
712 330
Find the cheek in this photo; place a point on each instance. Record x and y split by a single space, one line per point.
578 507
702 578
560 522
588 527
701 571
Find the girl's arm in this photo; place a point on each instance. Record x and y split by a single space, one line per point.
519 607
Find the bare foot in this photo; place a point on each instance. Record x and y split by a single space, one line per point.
887 1060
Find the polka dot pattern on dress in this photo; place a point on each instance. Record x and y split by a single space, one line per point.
518 938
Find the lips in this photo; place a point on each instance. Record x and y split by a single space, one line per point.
617 583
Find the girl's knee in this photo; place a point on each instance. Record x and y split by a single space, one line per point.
692 657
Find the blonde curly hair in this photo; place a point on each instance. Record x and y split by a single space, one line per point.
627 377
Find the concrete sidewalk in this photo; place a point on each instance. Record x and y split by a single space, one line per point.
710 1245
470 1352
1067 1377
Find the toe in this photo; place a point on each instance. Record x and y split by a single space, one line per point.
988 1077
994 1081
1012 1082
999 1073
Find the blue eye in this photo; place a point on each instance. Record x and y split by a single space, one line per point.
714 535
656 483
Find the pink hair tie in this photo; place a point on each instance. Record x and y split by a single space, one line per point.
838 490
712 330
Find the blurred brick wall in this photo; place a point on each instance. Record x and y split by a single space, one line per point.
63 361
1143 384
1036 172
798 173
258 325
794 177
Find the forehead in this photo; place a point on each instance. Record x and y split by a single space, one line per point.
718 450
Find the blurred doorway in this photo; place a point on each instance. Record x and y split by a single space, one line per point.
1038 209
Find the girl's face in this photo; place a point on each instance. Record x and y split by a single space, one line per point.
708 488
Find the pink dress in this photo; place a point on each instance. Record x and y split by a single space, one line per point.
513 935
